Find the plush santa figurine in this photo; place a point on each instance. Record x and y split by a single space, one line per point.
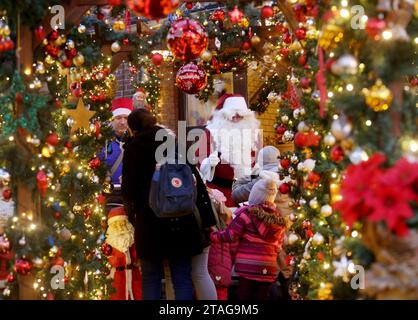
230 146
126 273
140 99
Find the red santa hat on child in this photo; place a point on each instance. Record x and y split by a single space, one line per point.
122 106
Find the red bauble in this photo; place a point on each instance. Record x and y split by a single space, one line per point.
66 63
218 15
23 266
39 33
152 9
100 16
52 139
337 153
246 46
68 145
314 177
375 27
302 60
285 163
306 224
187 39
191 78
281 28
42 182
76 89
189 5
58 261
5 245
301 139
266 12
106 249
7 194
101 198
284 188
313 139
95 163
281 130
414 82
71 53
57 215
157 59
305 82
287 38
10 278
235 15
300 34
320 255
54 35
125 41
284 52
9 45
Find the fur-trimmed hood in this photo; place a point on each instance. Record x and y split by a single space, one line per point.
267 220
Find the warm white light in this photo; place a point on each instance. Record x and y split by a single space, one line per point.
354 234
368 123
349 87
330 94
344 13
344 3
387 35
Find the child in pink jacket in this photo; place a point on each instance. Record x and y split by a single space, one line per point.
220 261
259 228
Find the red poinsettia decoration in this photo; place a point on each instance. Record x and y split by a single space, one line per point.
371 192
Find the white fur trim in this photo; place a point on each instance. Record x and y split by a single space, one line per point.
236 103
121 111
117 218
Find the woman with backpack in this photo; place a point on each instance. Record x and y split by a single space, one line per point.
259 228
157 239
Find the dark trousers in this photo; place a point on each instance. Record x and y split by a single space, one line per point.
253 290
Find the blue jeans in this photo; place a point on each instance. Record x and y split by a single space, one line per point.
181 273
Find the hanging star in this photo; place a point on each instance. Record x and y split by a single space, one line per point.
81 116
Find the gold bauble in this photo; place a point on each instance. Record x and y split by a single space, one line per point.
292 238
49 59
206 56
244 23
115 47
295 46
326 210
65 169
378 97
40 68
325 291
119 25
45 152
77 209
331 36
78 60
255 40
107 187
314 203
318 239
37 83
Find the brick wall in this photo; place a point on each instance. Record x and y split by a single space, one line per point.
168 109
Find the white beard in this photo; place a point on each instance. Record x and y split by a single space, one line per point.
121 240
235 140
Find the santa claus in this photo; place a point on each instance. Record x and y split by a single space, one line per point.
126 274
140 99
228 150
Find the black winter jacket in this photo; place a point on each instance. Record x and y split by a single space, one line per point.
158 238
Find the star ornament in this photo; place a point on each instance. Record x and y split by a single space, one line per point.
81 116
343 268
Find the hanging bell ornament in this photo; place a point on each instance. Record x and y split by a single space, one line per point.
378 97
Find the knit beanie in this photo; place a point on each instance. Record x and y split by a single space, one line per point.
264 190
268 158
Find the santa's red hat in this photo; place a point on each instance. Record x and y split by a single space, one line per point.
116 214
140 89
122 106
232 102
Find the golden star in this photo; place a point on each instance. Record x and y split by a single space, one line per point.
81 116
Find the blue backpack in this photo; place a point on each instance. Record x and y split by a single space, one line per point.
173 191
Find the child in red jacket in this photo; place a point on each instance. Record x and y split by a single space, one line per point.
259 228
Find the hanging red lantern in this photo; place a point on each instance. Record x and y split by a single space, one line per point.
235 15
152 9
157 59
23 266
191 78
42 182
187 39
266 12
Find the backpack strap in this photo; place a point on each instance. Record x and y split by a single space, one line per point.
117 163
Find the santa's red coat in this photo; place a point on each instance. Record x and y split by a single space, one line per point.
224 174
122 275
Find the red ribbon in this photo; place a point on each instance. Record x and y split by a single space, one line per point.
128 20
321 83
